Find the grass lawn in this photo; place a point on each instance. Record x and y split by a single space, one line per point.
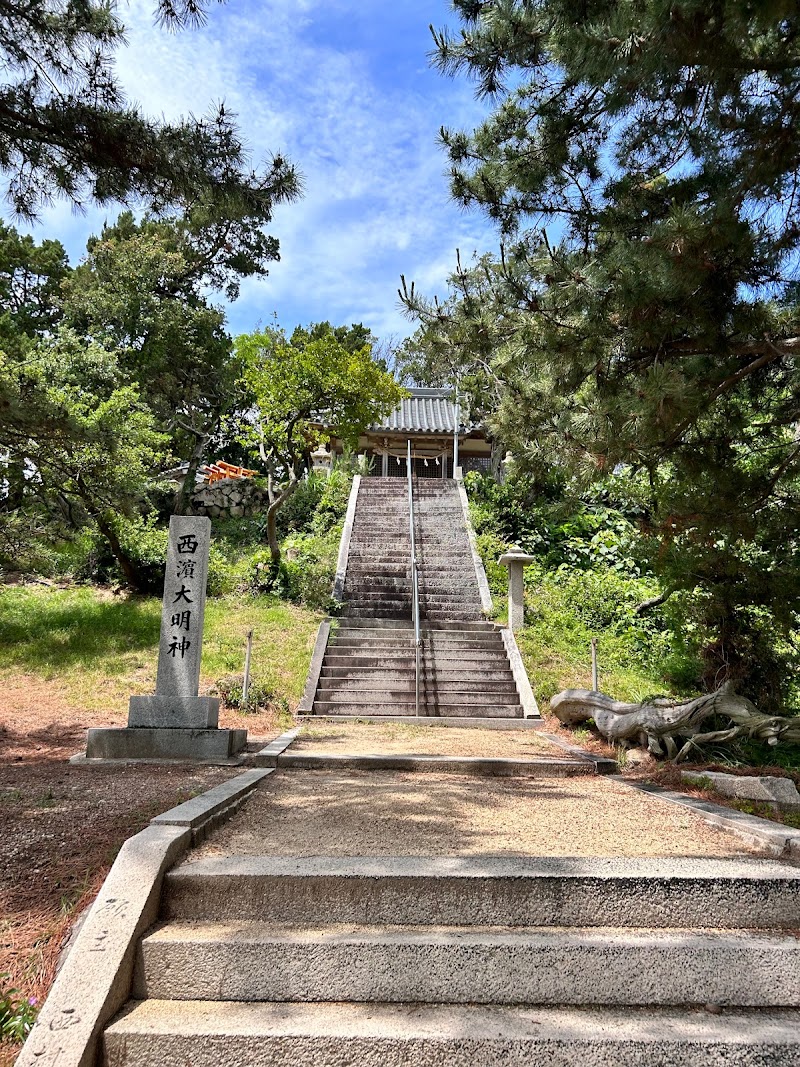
99 648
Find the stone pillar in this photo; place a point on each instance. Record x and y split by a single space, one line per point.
516 560
384 464
176 701
175 722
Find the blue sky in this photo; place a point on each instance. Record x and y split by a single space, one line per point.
345 90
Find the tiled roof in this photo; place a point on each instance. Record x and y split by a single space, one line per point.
424 411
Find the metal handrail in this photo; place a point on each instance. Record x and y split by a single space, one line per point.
414 576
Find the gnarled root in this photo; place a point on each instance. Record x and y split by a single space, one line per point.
658 723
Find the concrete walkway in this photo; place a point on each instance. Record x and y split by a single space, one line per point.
377 813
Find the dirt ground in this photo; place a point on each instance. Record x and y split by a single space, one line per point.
63 824
402 739
379 813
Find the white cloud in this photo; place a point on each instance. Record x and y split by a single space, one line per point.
376 201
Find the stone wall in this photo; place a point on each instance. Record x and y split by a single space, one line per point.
229 498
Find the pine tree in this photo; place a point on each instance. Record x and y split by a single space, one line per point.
66 130
642 166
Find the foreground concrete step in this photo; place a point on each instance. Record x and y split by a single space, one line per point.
200 1033
482 767
670 892
462 965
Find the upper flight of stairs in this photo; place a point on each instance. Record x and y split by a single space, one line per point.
369 665
325 962
378 583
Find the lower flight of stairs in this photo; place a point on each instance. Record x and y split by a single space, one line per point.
370 669
324 962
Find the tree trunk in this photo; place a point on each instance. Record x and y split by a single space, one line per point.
183 495
126 564
659 722
272 513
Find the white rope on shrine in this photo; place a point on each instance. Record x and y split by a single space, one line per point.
415 455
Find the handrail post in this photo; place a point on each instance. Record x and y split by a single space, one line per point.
414 578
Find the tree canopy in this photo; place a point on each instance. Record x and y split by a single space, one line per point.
304 388
641 166
67 130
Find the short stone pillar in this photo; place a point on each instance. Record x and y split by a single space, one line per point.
515 560
176 722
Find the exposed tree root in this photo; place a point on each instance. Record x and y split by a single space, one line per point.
659 725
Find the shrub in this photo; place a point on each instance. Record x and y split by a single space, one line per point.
298 511
17 1014
332 505
231 689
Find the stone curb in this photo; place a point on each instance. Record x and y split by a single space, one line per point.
315 667
530 708
268 756
202 814
456 722
488 767
95 979
480 573
344 543
604 764
775 838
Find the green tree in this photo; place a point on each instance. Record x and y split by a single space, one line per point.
298 387
65 128
30 281
90 446
142 291
640 164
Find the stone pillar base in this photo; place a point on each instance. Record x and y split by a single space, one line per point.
178 744
174 712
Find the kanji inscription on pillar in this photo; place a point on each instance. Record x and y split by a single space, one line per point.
183 606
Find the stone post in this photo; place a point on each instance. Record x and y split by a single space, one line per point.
515 560
176 701
175 722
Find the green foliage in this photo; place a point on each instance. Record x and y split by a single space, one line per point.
562 529
318 503
642 315
586 584
69 132
17 1014
638 656
306 571
302 390
260 693
297 514
310 379
332 506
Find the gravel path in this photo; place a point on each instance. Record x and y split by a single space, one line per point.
391 739
327 813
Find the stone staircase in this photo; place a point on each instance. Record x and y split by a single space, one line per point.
369 664
378 583
325 962
370 669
